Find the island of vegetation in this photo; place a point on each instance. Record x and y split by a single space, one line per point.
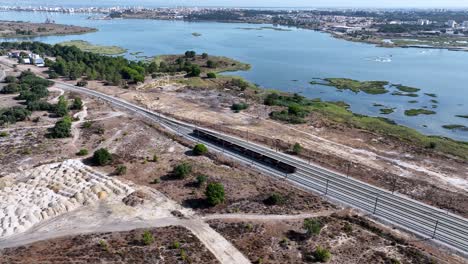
462 116
431 95
406 89
17 29
369 87
416 112
196 34
86 46
387 111
265 28
398 93
202 63
456 127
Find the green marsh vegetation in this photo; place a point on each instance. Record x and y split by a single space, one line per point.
99 49
420 111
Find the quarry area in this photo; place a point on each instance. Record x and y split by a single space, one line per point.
57 205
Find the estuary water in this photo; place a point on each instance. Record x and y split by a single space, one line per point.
289 60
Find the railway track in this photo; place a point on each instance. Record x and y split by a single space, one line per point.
424 220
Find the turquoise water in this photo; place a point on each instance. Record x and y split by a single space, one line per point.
280 57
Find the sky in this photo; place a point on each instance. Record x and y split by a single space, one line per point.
250 3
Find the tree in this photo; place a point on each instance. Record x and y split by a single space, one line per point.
182 170
322 254
312 226
215 193
82 152
190 54
200 149
82 83
53 75
77 104
204 55
62 128
211 75
61 109
101 157
194 71
297 149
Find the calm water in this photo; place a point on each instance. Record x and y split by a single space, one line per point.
279 57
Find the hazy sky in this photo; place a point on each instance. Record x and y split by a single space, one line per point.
254 3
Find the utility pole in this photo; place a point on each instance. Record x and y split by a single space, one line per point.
375 206
326 187
435 229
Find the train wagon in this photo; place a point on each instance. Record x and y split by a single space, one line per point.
246 152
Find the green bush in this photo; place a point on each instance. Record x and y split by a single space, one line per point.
211 75
101 157
77 104
82 83
275 199
239 106
312 226
175 245
53 75
147 238
10 79
82 152
13 114
200 149
215 193
297 149
3 134
201 179
121 170
61 109
62 128
182 170
322 254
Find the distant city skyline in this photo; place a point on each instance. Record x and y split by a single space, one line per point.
253 3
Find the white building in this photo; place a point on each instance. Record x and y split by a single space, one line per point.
423 22
451 23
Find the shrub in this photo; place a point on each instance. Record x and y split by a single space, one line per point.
121 170
204 55
10 79
200 149
182 170
82 83
211 75
53 75
61 109
147 238
297 149
155 158
348 228
13 114
104 246
3 134
240 83
175 245
10 88
275 199
201 179
101 157
194 71
190 54
215 193
239 106
312 226
322 254
211 64
77 104
82 152
62 128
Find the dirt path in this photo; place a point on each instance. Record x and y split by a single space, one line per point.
255 217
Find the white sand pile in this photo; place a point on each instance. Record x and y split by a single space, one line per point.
32 196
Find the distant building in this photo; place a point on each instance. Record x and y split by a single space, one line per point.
451 23
424 22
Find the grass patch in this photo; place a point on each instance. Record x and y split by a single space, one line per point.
369 87
462 116
86 46
416 112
